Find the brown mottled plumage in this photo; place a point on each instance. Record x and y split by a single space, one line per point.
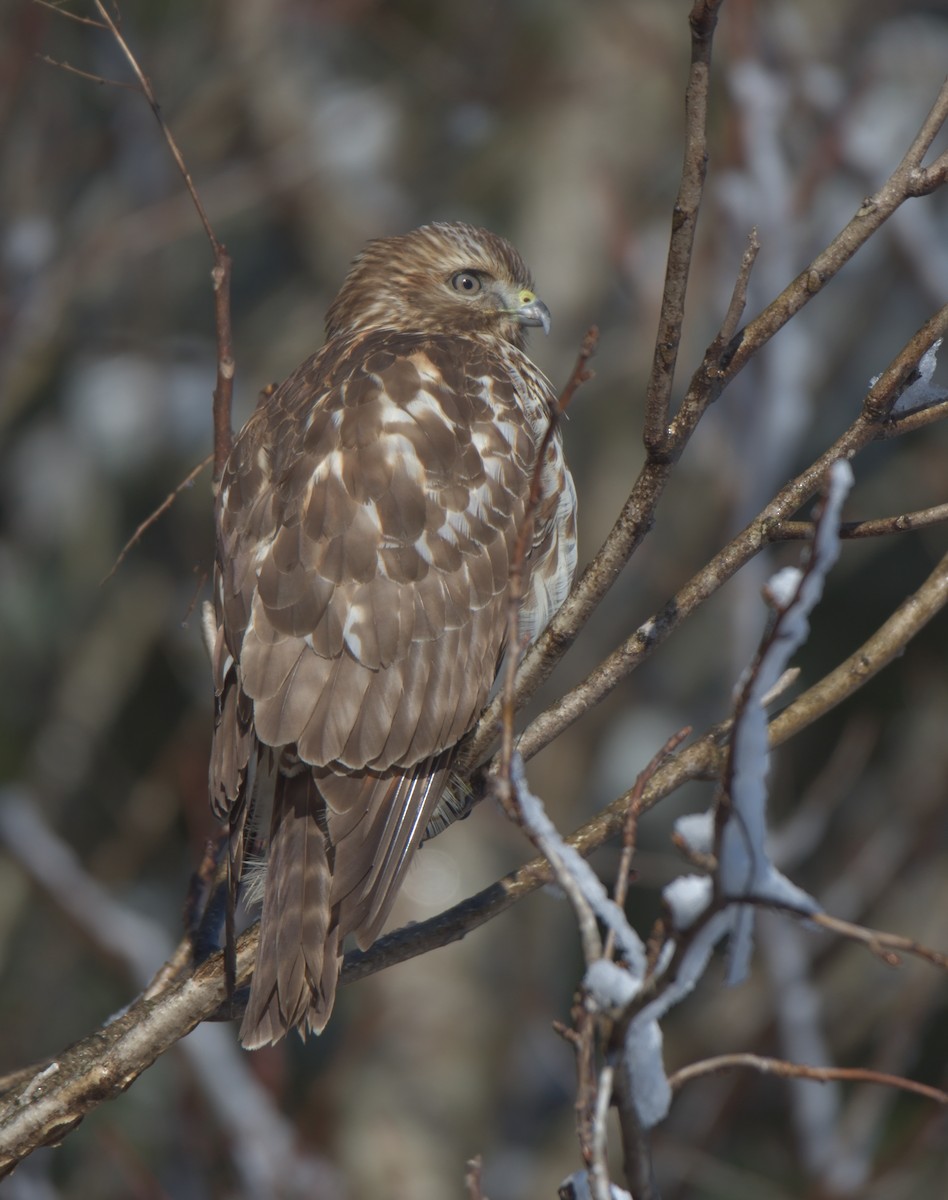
366 522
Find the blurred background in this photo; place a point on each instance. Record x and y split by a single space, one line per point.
310 127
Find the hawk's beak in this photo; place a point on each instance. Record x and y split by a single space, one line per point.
532 311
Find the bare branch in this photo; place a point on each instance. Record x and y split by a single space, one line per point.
630 826
889 640
877 527
633 523
147 91
601 1187
735 309
101 80
872 214
61 11
702 19
159 512
580 373
886 946
578 376
759 533
43 1110
788 1070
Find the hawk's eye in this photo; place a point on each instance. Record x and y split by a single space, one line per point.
466 281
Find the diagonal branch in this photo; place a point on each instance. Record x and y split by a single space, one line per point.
869 426
717 369
157 514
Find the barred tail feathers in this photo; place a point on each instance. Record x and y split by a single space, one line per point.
297 966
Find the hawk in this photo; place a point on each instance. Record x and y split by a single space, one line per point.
367 518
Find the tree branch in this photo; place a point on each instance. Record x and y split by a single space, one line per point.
788 1070
717 369
703 19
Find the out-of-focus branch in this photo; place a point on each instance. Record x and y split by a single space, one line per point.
472 1179
158 512
789 1070
71 16
888 946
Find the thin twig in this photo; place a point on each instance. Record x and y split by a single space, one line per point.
630 824
788 1070
159 512
582 1037
886 946
735 310
580 373
578 376
100 80
877 527
898 424
148 92
61 11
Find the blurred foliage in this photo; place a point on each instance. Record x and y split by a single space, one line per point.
308 128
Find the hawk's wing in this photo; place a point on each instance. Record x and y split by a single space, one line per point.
367 519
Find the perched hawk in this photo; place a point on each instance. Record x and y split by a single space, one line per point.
367 518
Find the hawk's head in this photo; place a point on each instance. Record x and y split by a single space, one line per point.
441 278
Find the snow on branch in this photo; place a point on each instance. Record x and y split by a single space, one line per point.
703 909
922 392
744 865
577 878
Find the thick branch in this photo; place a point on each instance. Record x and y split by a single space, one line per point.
40 1111
46 1103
